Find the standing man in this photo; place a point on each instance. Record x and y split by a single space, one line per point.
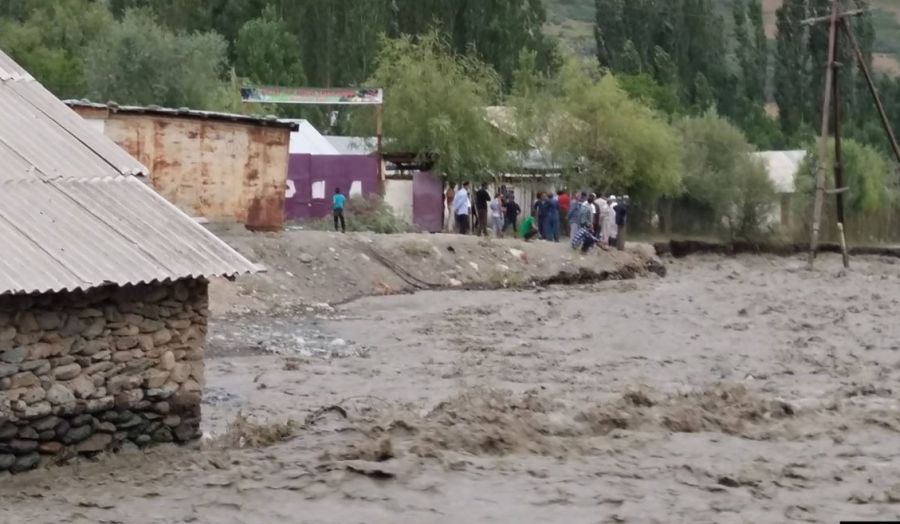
621 221
564 203
511 213
574 215
553 211
449 220
482 200
337 208
612 231
497 214
461 209
541 213
603 210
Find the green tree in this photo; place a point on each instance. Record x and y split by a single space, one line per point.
704 97
791 66
536 105
630 61
612 142
664 69
609 31
435 106
721 175
51 38
266 52
758 81
646 90
139 62
752 60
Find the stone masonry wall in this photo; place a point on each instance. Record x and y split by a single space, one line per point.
87 372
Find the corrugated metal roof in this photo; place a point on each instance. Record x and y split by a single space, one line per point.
782 167
72 216
183 112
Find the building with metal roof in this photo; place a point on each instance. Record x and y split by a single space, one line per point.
73 216
220 166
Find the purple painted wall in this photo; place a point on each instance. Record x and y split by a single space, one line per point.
335 171
428 202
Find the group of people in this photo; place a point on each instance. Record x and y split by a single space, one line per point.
598 220
590 220
499 212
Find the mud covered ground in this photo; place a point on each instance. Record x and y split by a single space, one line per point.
733 390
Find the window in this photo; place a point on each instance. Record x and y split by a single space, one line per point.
356 189
318 190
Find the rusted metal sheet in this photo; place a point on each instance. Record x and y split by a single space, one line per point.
73 217
218 169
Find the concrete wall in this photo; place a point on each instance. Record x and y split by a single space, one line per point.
82 373
219 170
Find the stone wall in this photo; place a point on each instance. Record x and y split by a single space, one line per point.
87 372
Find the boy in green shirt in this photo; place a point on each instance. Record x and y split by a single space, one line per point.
528 230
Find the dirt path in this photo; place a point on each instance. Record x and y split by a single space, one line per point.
734 390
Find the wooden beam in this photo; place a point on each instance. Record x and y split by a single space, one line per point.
841 16
885 122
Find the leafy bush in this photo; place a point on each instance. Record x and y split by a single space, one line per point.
866 174
370 214
722 175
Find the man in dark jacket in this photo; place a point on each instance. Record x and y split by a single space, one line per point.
621 221
482 200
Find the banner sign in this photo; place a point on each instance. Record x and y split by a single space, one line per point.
292 95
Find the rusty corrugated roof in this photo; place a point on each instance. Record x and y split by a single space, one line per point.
73 216
184 112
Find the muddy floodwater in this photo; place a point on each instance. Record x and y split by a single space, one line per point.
734 390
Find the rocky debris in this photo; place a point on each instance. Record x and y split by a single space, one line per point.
106 370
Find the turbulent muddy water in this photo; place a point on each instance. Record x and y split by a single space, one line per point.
734 390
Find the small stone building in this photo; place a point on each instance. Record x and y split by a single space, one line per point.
103 290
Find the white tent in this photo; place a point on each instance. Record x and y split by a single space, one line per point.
308 141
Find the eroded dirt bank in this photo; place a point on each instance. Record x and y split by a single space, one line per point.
733 390
306 269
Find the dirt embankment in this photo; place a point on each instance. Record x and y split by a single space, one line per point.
684 248
310 270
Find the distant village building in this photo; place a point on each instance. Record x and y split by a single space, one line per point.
783 167
103 290
220 166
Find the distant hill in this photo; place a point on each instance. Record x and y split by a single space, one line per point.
573 22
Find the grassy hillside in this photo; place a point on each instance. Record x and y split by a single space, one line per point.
573 22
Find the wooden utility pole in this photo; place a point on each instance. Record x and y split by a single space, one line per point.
838 155
832 108
824 158
379 138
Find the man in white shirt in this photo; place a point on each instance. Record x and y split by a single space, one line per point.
603 215
609 225
461 207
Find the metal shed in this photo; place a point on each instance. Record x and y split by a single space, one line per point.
221 166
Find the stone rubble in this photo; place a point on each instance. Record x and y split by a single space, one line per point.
87 372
